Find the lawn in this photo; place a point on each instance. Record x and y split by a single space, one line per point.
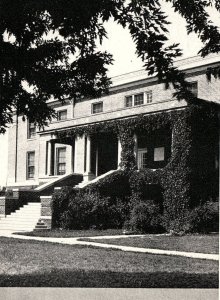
71 233
189 243
41 264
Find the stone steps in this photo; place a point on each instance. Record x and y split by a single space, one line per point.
23 219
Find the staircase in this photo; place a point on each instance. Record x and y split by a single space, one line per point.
23 219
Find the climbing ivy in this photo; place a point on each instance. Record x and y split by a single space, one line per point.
183 179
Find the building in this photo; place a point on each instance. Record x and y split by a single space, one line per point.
138 125
39 156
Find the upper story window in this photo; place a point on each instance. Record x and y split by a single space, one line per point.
149 96
128 101
97 107
139 99
61 161
194 88
31 130
30 165
62 115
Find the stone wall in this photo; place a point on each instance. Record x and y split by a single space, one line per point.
46 211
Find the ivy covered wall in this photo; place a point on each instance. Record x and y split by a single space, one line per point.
190 176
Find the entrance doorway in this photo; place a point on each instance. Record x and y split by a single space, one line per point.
104 153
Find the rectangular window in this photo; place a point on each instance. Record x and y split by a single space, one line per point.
139 99
194 88
61 161
62 115
30 165
128 101
142 158
149 96
31 130
159 154
97 107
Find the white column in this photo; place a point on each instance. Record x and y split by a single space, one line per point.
88 175
88 155
97 160
119 152
48 158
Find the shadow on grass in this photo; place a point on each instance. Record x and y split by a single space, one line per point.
107 279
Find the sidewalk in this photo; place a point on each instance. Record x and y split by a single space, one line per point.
76 241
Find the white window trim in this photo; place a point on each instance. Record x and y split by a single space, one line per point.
27 165
56 167
133 98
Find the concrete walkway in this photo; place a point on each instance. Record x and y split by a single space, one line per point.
76 241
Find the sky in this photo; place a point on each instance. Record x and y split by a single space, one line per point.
120 44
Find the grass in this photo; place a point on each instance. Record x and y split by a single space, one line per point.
189 243
71 233
41 264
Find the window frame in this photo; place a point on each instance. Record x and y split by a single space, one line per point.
31 135
130 98
92 107
60 112
58 163
135 95
28 165
151 96
193 90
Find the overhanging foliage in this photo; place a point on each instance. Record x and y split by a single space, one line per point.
34 68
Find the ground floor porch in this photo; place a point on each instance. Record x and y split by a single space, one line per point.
96 154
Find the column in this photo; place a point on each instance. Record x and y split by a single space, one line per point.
88 155
97 160
72 156
88 175
48 157
51 147
119 152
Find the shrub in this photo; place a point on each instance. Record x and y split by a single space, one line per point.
59 204
145 217
115 185
90 210
204 218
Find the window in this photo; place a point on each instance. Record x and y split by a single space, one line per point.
128 101
159 154
194 88
61 161
62 115
149 96
30 165
97 107
139 99
142 158
31 130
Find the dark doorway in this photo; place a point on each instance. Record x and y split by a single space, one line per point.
104 153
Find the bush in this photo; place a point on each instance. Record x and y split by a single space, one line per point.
90 210
145 217
204 218
60 201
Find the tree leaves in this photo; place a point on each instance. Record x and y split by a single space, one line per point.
27 54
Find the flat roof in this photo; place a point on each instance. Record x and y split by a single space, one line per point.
181 64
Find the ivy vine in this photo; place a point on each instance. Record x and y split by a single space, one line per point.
183 178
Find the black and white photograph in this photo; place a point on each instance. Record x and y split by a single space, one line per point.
109 149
